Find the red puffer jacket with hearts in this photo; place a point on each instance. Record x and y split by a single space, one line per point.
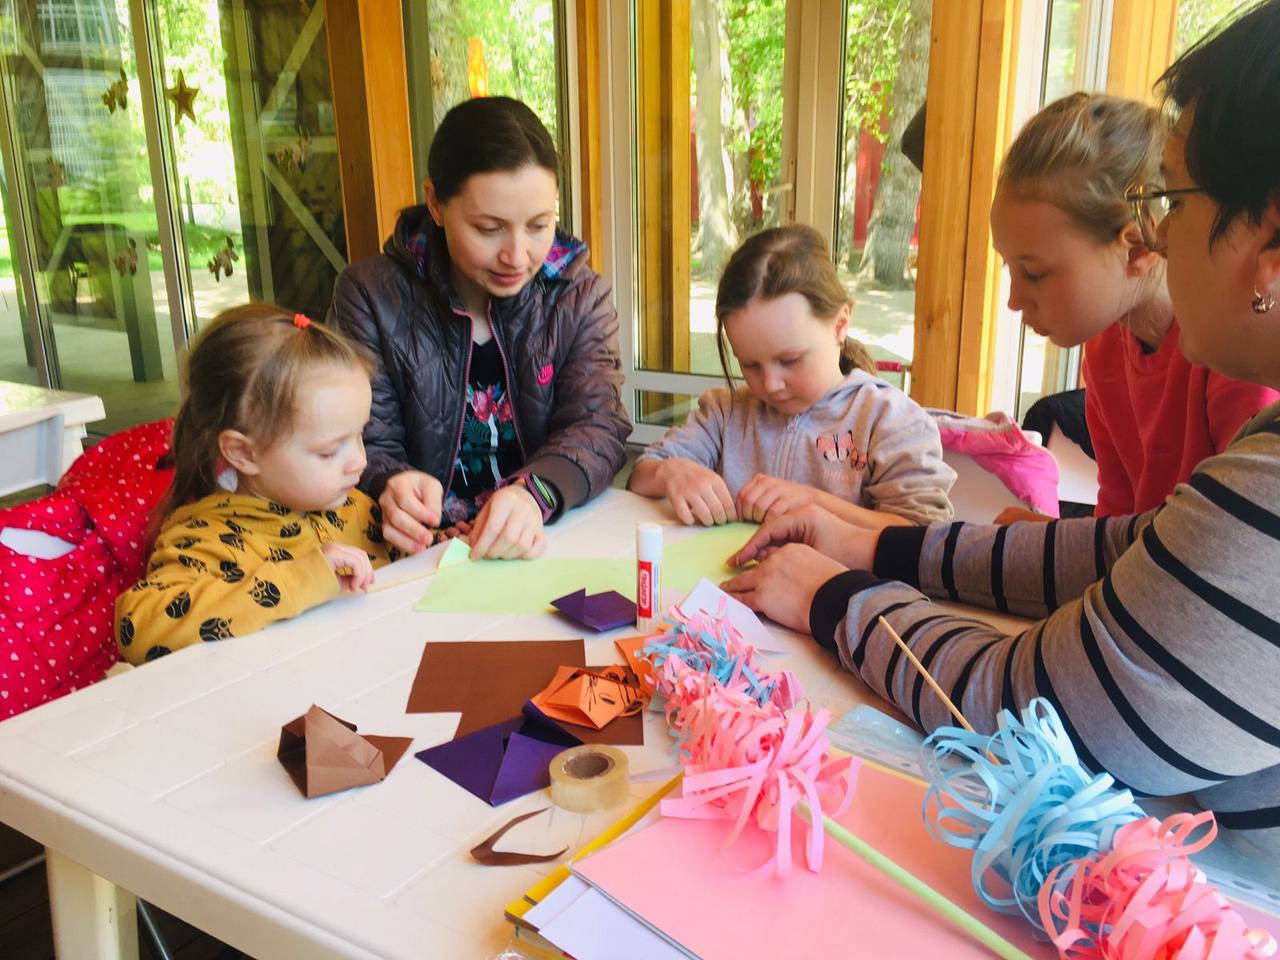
56 615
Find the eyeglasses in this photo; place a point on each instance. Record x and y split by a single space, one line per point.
1150 207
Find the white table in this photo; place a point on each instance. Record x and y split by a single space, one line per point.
41 432
164 781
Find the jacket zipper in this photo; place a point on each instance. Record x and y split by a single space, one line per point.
511 394
462 417
789 435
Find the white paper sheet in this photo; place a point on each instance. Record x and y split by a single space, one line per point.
593 927
706 596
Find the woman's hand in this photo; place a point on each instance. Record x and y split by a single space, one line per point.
350 565
764 496
849 545
697 494
508 527
411 504
783 586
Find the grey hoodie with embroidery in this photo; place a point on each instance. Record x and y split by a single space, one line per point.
865 441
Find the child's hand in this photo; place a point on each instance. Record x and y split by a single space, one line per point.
508 527
351 566
764 496
411 503
698 495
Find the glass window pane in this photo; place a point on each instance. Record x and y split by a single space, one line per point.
1198 17
257 161
735 151
663 409
1063 63
878 211
17 353
81 152
1044 368
458 49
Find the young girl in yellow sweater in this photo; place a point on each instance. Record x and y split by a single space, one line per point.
263 520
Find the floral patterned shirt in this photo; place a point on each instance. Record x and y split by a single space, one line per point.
489 449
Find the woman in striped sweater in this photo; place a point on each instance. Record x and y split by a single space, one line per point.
1160 643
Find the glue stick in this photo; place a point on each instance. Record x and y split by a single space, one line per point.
648 576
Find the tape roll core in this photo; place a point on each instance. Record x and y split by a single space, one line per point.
589 778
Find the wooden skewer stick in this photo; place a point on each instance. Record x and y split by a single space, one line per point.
955 711
378 587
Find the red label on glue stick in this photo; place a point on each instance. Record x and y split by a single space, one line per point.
648 576
644 590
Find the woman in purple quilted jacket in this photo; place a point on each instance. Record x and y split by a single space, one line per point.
498 404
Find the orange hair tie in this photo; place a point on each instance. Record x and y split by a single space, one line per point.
301 321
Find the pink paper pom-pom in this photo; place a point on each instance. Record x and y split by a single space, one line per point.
1145 899
746 762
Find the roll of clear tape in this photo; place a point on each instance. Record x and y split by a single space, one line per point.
590 778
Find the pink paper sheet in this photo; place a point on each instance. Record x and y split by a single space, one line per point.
710 899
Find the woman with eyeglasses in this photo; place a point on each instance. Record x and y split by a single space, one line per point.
1160 643
1082 271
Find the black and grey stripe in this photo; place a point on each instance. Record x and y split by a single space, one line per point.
1159 642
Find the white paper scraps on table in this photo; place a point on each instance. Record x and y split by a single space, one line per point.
34 543
706 596
593 927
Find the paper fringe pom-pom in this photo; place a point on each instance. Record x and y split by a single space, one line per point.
745 757
746 762
1022 802
710 644
1144 900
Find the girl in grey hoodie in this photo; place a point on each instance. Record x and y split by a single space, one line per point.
809 426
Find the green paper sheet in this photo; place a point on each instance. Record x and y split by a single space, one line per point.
521 586
458 551
463 585
702 554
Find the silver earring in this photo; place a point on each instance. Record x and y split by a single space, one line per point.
228 480
1262 302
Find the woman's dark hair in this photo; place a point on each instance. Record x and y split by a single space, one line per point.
483 135
243 373
778 261
1231 79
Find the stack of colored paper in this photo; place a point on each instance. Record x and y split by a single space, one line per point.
675 889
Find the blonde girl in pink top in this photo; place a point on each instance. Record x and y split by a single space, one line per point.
1080 274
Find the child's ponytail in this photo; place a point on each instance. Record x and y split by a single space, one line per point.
855 356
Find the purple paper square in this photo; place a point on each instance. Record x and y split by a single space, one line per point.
600 611
501 762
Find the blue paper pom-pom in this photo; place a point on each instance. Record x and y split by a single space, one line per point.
1021 801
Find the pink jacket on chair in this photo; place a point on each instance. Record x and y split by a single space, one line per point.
996 444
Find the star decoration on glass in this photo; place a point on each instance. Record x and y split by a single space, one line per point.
182 97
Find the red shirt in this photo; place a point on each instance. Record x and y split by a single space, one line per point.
1154 416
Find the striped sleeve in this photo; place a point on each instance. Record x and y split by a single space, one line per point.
1024 568
1164 669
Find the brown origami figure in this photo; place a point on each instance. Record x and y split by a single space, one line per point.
324 754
